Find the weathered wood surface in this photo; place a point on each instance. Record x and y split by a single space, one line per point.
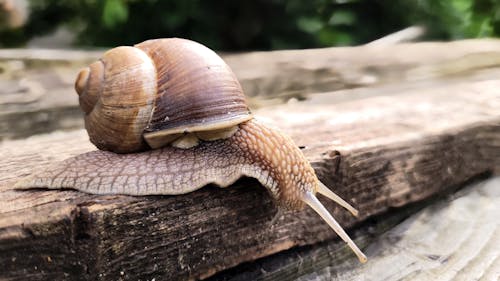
457 238
378 152
36 86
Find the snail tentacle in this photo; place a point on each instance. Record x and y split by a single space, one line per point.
316 205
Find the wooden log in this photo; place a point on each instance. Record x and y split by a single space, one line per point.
36 86
378 152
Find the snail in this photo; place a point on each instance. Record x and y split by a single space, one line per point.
169 117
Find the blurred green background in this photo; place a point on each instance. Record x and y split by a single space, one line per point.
251 25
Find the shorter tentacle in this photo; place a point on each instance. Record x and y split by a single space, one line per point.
330 194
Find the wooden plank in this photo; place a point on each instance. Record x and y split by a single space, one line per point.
455 238
36 86
377 152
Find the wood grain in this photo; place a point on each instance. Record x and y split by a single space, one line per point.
455 240
378 152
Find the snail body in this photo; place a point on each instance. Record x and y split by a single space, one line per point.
147 147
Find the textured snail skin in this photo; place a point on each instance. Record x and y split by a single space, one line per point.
254 150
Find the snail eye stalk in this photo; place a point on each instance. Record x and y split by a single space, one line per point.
316 205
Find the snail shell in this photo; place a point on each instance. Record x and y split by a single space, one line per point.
155 92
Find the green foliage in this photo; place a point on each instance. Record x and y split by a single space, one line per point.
114 13
258 24
457 19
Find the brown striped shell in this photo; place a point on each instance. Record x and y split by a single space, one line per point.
157 91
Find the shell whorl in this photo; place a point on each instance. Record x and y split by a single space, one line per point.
117 95
88 85
197 91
